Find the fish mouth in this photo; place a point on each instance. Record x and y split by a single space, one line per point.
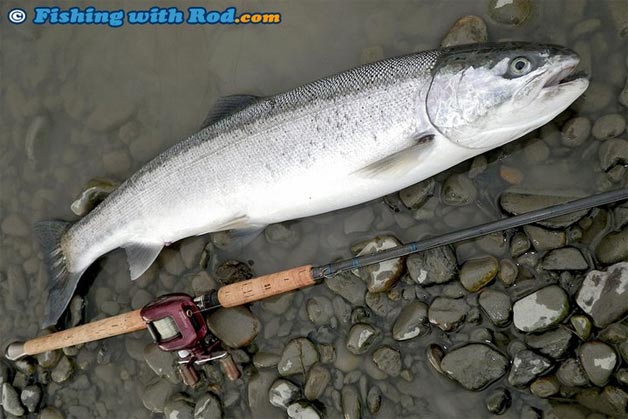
565 75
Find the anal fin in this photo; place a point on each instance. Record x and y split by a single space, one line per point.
140 256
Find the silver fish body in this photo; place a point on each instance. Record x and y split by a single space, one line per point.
330 144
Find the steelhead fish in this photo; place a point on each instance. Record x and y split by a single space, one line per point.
333 143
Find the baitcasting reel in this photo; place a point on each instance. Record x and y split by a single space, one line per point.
176 323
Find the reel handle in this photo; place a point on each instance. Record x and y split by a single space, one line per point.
265 286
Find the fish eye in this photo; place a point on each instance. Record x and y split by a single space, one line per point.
520 66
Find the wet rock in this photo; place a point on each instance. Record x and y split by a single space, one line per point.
545 386
361 337
581 325
553 343
208 407
319 310
359 221
613 248
434 266
543 239
95 192
278 304
302 410
351 408
519 244
541 309
477 273
566 258
612 152
349 287
10 401
48 359
614 333
466 30
609 126
265 359
381 305
512 175
496 305
514 12
282 393
179 406
236 326
30 397
374 400
516 203
571 373
50 412
412 322
576 131
161 362
598 360
388 360
233 271
474 366
413 197
611 401
604 295
435 355
498 401
447 313
257 391
508 272
281 233
297 357
381 276
526 366
63 371
458 190
317 381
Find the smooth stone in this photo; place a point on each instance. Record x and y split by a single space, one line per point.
236 326
14 225
433 266
613 248
281 233
50 412
381 276
156 394
609 126
477 273
517 203
208 407
541 309
613 152
179 407
319 310
614 333
512 12
297 357
526 366
447 313
278 304
351 408
382 305
302 410
496 305
571 374
519 244
553 343
566 258
257 391
318 378
388 360
508 271
498 401
474 366
283 392
348 286
466 30
612 401
360 221
10 401
458 190
412 322
48 359
581 325
546 386
94 193
413 197
374 400
361 337
543 239
62 371
598 360
603 295
576 131
161 362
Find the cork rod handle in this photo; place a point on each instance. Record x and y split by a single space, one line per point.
111 326
265 286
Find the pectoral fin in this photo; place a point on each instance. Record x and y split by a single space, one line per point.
399 163
140 256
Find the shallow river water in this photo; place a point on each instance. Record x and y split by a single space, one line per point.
80 102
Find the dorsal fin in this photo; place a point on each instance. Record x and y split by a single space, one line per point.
227 105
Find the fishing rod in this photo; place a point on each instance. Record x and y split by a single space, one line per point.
176 322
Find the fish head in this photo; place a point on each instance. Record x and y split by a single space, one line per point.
483 96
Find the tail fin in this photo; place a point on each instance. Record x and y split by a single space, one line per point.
61 282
